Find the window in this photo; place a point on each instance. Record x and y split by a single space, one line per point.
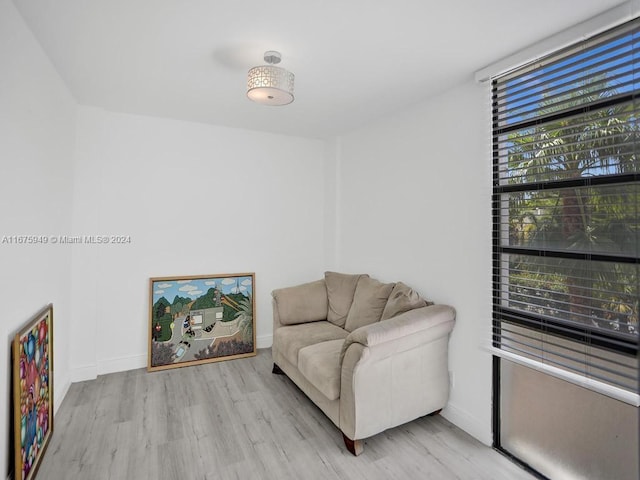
566 212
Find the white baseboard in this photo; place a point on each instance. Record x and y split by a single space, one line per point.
122 364
111 365
60 391
82 374
468 423
264 341
132 362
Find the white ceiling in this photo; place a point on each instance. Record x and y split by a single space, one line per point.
354 60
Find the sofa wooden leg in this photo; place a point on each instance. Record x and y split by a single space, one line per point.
277 370
354 446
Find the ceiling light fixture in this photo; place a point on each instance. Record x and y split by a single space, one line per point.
268 84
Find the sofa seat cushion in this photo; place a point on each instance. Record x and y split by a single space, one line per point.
320 364
288 340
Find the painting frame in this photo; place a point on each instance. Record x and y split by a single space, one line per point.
199 319
33 401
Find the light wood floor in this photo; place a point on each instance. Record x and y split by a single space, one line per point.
236 420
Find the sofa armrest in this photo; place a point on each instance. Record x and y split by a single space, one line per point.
408 330
300 304
395 370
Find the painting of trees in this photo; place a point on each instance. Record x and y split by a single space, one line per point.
245 319
210 319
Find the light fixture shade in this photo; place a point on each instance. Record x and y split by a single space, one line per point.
270 85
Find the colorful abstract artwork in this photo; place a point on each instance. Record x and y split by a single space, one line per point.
200 319
33 392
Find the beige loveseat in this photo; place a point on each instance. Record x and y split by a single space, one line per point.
371 355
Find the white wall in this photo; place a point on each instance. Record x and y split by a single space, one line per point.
415 206
37 123
195 199
403 199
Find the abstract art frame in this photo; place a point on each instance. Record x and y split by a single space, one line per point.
32 393
200 319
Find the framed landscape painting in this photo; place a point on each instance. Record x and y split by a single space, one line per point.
200 319
33 392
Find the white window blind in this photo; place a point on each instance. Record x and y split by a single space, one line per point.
566 211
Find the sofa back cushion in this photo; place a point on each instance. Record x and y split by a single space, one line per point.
402 299
302 303
368 304
340 290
